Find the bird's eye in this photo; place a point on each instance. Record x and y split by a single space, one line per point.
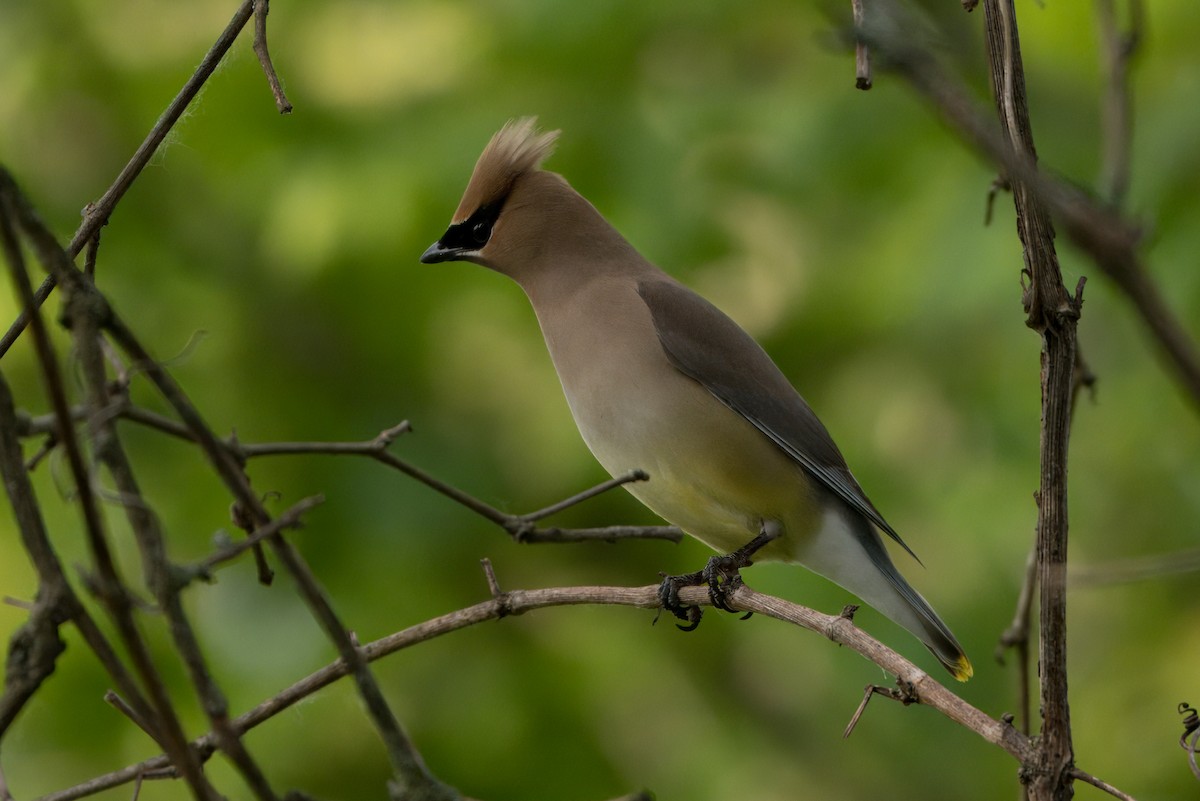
481 232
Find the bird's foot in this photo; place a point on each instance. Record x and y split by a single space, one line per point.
668 598
723 576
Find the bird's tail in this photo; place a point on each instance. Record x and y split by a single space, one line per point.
881 586
932 631
915 614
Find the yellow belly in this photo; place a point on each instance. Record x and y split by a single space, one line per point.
712 473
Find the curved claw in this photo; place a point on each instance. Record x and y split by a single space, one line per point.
668 599
693 613
721 574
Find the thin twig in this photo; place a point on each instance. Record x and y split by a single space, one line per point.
871 690
89 258
518 526
1136 569
862 51
121 705
1016 636
261 9
288 519
599 489
96 214
1101 784
489 573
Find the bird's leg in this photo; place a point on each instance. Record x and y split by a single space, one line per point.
722 574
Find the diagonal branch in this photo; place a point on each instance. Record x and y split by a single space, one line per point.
160 715
96 214
410 771
83 316
1095 227
53 587
837 628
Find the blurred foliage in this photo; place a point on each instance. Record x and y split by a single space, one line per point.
274 260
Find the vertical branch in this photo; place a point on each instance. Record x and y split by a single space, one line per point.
1053 312
1016 636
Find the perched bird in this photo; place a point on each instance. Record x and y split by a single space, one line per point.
659 379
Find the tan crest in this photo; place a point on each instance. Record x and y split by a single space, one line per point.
516 148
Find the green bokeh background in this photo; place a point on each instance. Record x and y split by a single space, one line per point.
274 261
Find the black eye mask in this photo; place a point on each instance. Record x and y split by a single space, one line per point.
475 231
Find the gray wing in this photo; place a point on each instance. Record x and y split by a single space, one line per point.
704 344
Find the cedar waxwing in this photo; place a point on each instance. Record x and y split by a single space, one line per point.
659 379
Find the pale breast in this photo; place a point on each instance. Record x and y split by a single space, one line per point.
711 472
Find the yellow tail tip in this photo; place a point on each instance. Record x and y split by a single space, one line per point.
962 669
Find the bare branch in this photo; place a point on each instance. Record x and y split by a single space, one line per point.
409 769
405 759
1117 49
903 695
599 489
862 52
96 214
489 573
1053 312
161 717
1093 226
1136 569
121 705
520 527
289 519
261 9
83 314
53 587
1100 784
838 628
1016 636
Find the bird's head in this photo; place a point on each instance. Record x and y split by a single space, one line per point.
501 219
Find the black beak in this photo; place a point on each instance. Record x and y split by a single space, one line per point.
437 252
